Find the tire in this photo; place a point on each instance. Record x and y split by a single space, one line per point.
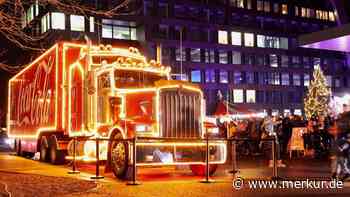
44 149
119 157
56 156
199 169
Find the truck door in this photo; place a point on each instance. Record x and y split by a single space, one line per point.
76 103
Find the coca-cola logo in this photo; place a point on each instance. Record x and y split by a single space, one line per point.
36 95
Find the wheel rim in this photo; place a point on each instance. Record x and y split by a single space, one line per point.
118 157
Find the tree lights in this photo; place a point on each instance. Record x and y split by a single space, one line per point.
318 95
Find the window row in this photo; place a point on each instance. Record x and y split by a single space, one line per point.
250 78
57 20
263 96
163 9
198 55
248 40
114 29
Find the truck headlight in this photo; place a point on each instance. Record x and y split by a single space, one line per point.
143 128
214 130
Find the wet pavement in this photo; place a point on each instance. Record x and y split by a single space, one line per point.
179 181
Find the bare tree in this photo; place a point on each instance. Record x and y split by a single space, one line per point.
12 12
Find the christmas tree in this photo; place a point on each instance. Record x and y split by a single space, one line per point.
318 95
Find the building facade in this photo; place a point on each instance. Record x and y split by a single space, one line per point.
244 50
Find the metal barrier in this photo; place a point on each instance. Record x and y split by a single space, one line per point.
150 139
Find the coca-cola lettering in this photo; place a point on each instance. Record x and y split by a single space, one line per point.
35 97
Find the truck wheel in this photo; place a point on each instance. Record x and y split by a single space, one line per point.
56 156
199 169
44 149
119 157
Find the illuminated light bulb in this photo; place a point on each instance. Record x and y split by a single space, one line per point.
101 47
109 47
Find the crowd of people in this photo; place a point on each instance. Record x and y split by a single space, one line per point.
322 138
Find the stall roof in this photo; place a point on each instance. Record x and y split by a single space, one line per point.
335 39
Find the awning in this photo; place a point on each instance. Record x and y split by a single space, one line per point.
225 108
335 39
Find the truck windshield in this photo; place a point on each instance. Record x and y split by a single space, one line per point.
135 79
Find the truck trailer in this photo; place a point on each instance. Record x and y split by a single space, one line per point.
81 91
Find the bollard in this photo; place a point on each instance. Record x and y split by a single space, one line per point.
97 174
207 172
74 171
234 160
134 170
275 171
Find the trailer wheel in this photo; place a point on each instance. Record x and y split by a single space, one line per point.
44 149
56 156
199 169
119 157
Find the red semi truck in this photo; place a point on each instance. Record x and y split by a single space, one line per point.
77 90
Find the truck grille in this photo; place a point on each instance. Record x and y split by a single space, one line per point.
180 112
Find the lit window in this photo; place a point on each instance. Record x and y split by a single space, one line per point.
237 3
250 94
210 76
303 12
286 112
195 55
209 56
196 76
248 39
180 55
249 4
267 6
238 96
306 79
273 60
275 112
92 24
284 9
77 23
30 14
236 38
260 41
223 76
296 80
296 11
274 78
58 20
297 112
236 57
223 57
332 16
118 29
259 5
285 79
107 31
283 44
222 36
45 23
